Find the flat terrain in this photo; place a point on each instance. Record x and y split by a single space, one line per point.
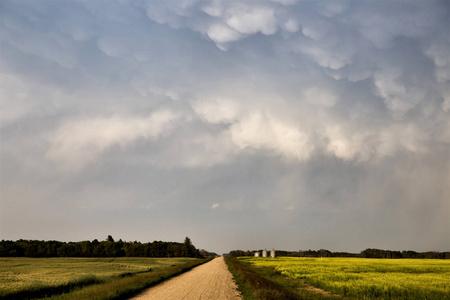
209 281
22 273
366 278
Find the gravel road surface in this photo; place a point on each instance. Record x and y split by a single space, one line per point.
211 280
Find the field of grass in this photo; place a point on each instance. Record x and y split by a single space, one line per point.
18 274
264 283
366 278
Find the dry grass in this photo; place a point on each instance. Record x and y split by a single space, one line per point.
33 274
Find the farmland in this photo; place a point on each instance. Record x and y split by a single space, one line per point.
366 278
21 274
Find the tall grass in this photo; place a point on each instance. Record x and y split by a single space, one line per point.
38 290
239 274
267 284
26 278
367 278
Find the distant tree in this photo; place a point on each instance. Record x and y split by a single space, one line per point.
237 253
187 247
110 239
188 250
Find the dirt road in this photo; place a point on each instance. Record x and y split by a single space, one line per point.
208 281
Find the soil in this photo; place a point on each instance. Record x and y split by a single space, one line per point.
211 280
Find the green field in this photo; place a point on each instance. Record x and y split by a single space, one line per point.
366 278
21 274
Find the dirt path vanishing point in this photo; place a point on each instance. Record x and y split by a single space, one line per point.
211 280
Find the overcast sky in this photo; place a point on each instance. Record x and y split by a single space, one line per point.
241 124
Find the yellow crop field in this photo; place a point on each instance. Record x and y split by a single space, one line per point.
22 273
367 278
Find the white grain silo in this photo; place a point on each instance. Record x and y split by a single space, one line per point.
272 253
264 253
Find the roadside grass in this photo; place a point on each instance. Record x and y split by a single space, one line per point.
361 278
268 284
237 270
120 285
126 287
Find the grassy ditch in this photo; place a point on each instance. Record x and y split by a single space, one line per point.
127 287
120 286
267 284
238 270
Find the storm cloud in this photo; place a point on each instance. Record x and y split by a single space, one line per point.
243 125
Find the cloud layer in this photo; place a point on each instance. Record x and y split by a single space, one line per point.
327 121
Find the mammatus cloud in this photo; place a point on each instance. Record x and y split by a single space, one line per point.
333 36
256 130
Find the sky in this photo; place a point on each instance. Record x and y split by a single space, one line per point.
280 124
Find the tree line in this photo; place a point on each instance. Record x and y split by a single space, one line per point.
95 248
368 253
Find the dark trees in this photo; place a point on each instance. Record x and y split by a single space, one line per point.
106 248
368 253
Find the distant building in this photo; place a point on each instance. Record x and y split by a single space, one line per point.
257 254
264 253
272 253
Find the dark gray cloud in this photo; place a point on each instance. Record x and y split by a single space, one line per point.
285 124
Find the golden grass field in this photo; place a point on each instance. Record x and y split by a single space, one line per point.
367 278
21 273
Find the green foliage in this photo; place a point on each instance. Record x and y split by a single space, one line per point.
366 278
368 253
107 248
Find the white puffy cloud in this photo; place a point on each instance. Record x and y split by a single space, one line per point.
79 142
227 21
250 19
343 145
331 9
291 25
399 97
217 111
239 20
221 33
213 8
258 131
438 51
